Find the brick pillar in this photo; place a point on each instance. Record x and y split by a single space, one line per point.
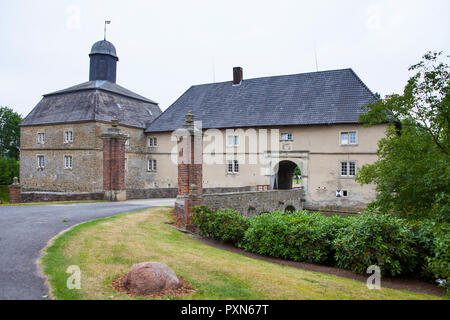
114 163
190 162
14 191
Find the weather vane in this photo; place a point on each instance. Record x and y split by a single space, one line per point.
106 22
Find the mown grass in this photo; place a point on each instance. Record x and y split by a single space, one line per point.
4 194
107 248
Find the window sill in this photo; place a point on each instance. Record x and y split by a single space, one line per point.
232 173
347 177
348 145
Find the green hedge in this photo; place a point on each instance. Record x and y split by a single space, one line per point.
399 247
375 239
224 225
297 236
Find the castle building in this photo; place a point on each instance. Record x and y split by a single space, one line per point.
255 133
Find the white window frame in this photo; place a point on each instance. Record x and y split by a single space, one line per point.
233 165
347 169
287 136
152 142
233 140
152 165
68 157
39 156
41 137
68 136
348 142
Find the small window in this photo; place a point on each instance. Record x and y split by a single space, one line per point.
152 142
348 169
348 137
232 166
341 193
41 137
40 161
343 168
286 136
233 141
151 165
351 168
67 162
68 136
127 142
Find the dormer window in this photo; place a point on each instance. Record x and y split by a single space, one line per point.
68 136
41 137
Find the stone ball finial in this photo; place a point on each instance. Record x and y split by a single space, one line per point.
189 117
193 188
114 122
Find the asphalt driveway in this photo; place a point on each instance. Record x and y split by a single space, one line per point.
25 230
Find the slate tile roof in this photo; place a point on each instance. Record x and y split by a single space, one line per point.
326 97
94 100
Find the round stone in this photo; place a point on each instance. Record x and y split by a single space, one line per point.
149 278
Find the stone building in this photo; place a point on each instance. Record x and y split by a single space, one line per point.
61 145
255 132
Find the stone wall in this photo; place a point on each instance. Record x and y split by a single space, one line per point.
251 203
60 196
152 193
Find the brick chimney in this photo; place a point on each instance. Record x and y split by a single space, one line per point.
237 75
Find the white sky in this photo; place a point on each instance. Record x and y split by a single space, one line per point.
164 47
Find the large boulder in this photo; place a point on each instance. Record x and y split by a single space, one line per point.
149 278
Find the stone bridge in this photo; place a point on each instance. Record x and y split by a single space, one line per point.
251 203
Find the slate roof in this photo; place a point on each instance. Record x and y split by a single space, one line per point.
104 47
325 97
93 100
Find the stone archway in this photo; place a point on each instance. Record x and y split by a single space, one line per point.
285 175
282 173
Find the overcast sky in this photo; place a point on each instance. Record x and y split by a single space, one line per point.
164 47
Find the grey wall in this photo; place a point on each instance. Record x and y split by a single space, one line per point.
251 203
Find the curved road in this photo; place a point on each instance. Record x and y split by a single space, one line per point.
25 230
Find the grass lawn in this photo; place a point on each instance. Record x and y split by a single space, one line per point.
107 248
4 194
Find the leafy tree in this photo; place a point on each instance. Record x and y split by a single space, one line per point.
9 168
412 172
297 172
9 133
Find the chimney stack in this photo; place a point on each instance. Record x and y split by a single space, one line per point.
237 75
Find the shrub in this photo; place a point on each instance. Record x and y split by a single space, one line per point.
438 263
376 239
224 225
297 236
